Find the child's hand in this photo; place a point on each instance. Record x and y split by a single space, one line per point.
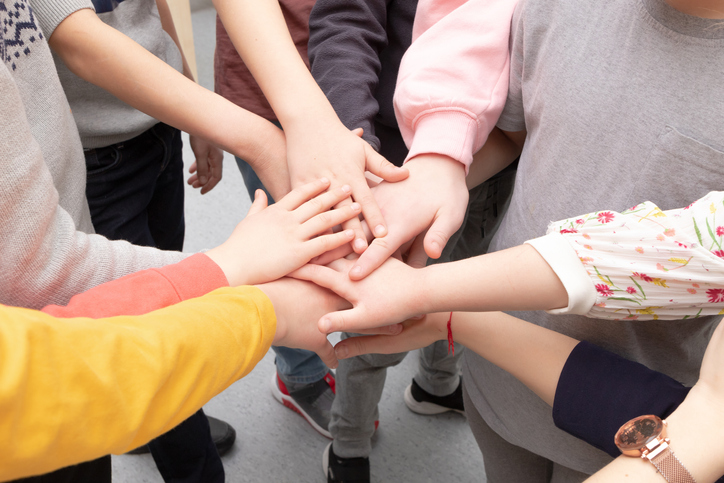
273 241
206 170
388 296
433 198
343 157
416 333
298 305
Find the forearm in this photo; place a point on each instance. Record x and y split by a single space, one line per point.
514 279
532 354
260 35
134 378
145 82
695 433
498 152
170 28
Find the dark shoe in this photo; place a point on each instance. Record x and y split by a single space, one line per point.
422 402
345 470
312 401
222 434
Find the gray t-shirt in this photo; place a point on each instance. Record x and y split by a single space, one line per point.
623 101
102 118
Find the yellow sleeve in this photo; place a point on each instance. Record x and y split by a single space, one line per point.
72 390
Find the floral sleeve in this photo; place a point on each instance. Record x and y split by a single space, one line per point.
646 263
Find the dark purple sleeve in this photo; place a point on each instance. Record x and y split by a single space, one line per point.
345 41
598 391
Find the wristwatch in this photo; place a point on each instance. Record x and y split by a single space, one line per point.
645 437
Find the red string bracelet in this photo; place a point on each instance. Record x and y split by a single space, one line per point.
450 343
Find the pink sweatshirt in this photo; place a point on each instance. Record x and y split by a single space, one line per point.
453 80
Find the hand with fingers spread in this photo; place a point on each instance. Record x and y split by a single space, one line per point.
275 240
343 157
298 306
434 198
207 169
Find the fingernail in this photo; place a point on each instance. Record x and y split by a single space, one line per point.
436 246
324 325
356 271
341 352
349 233
380 230
202 180
324 180
355 207
346 189
360 244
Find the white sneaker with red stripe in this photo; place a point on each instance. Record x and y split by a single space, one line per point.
312 401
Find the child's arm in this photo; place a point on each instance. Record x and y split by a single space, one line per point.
318 143
640 264
208 167
451 89
694 428
133 378
109 59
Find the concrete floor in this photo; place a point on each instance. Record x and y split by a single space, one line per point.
273 443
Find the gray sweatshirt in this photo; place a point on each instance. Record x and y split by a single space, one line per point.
623 101
48 250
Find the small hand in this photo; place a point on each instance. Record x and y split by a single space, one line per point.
275 240
388 296
433 198
415 334
340 155
206 170
298 306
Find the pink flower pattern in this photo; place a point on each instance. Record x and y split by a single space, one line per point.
650 263
605 217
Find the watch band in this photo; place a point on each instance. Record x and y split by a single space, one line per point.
670 467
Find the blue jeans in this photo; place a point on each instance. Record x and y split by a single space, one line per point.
135 191
294 365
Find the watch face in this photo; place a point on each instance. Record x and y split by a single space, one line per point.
637 433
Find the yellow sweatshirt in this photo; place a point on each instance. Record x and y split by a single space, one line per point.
73 390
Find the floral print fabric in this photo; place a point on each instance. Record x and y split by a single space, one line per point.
646 263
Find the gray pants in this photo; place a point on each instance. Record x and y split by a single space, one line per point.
508 463
360 380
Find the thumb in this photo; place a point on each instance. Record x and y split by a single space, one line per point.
416 257
439 233
378 165
260 202
358 131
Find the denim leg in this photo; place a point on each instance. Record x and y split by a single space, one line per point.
135 193
294 365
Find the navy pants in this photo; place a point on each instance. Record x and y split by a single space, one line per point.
135 191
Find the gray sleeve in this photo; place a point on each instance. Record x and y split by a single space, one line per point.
50 13
45 259
513 116
345 41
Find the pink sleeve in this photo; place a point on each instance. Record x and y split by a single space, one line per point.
453 80
145 291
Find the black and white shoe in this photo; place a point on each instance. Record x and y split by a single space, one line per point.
345 470
422 402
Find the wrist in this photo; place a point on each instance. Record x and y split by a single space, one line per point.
272 293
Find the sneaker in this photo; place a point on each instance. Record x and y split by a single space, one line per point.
312 401
422 402
345 470
222 433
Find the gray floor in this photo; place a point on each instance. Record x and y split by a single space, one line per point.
273 443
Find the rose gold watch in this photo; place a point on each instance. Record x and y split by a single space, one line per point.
645 437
